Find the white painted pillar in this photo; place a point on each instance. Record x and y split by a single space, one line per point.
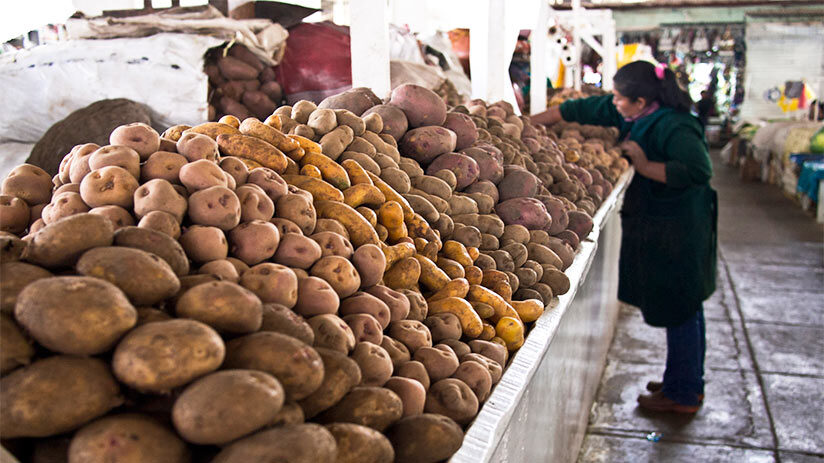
370 45
487 44
538 58
610 54
577 69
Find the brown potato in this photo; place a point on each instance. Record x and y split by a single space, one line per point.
333 244
490 350
29 183
460 348
253 242
16 276
157 243
150 315
159 195
297 251
360 444
269 180
440 362
299 210
109 185
215 206
370 263
396 350
236 168
273 283
375 407
418 308
196 146
157 357
301 443
126 438
365 328
144 277
281 319
316 297
339 273
15 349
341 374
295 364
120 156
117 215
138 136
443 326
413 334
14 214
364 303
204 244
397 302
201 174
60 244
254 203
477 377
332 332
286 226
11 248
55 312
374 362
163 164
411 392
414 370
289 414
223 305
331 225
55 395
452 398
425 438
63 205
494 368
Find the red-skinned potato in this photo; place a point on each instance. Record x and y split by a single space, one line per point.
201 174
204 244
255 241
411 392
110 185
138 136
397 302
396 350
364 327
159 195
269 180
370 263
374 362
364 303
120 156
414 369
332 332
118 216
316 297
297 251
413 334
273 283
333 244
255 204
339 273
220 268
215 206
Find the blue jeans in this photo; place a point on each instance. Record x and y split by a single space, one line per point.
686 347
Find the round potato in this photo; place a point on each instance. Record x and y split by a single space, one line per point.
269 180
341 374
289 414
216 206
452 398
196 146
494 368
29 183
331 332
397 302
297 251
411 392
255 241
201 174
365 303
477 377
281 319
334 244
109 185
138 136
117 215
339 273
360 444
370 263
56 313
273 283
55 395
159 195
418 308
222 269
157 357
286 226
460 348
443 326
17 350
440 362
127 438
301 443
425 438
63 205
374 362
163 164
316 297
226 405
295 364
161 221
396 350
364 327
236 168
120 156
414 370
223 305
298 209
14 214
204 244
144 277
151 315
254 203
412 333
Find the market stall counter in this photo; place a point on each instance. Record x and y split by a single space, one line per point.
539 410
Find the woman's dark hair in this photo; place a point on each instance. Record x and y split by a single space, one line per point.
638 79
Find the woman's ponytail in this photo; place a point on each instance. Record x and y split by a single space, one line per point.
671 93
641 79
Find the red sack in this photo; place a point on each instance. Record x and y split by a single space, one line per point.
317 62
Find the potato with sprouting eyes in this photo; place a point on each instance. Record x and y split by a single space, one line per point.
413 334
370 263
332 332
286 226
364 303
254 203
397 302
374 362
273 283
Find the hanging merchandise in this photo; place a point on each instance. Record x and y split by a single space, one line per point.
700 44
795 95
682 45
666 43
726 43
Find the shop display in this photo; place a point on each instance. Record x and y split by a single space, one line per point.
223 291
240 84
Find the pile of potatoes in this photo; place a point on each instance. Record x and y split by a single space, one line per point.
240 84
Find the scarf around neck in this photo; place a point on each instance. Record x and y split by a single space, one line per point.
646 112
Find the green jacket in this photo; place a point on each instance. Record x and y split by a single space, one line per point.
668 247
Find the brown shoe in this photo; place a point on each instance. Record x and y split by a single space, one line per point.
655 386
657 402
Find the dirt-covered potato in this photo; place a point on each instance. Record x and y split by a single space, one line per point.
157 243
440 362
144 277
161 221
297 251
452 398
273 283
413 334
477 377
223 305
398 303
360 444
11 248
332 332
281 319
374 362
341 374
157 357
61 243
126 438
370 262
55 312
339 273
365 328
331 225
110 185
418 308
29 183
425 438
300 443
333 244
14 214
151 315
365 303
159 195
397 351
316 297
289 414
253 242
375 407
15 349
16 276
443 325
295 364
269 180
204 244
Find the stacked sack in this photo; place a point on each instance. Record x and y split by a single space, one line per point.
240 84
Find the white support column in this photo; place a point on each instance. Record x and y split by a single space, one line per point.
577 69
487 45
370 46
610 54
537 59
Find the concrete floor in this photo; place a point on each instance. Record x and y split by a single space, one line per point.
765 348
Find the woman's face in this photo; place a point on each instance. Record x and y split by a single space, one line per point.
627 107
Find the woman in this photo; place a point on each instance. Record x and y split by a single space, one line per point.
668 248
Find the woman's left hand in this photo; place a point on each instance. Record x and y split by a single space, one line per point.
635 153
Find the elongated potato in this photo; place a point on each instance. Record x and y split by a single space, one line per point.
127 437
331 171
212 129
359 229
459 287
361 444
60 244
374 407
431 276
404 274
144 277
244 146
357 174
425 438
300 443
320 189
363 194
502 308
